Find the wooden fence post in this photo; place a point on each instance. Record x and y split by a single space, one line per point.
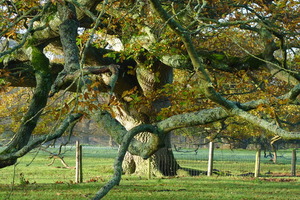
210 158
257 163
294 161
78 174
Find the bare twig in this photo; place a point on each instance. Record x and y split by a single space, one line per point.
27 33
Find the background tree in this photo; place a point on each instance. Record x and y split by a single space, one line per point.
242 57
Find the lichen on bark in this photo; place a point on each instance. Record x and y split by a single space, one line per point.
40 64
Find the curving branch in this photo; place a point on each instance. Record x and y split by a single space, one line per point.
212 115
268 126
40 140
118 132
38 102
115 180
180 121
71 81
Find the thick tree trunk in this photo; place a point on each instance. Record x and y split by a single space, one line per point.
162 163
144 144
165 160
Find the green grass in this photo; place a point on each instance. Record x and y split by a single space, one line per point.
173 188
97 162
40 181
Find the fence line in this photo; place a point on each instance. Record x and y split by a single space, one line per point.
239 162
98 161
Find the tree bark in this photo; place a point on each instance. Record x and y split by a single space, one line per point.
39 100
115 180
162 162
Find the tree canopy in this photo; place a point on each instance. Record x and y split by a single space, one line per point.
151 66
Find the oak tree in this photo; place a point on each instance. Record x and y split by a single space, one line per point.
119 59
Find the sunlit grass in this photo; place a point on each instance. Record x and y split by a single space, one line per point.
167 188
40 181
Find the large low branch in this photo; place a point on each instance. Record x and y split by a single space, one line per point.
38 102
40 140
115 180
268 126
192 119
21 74
207 116
212 115
180 121
118 132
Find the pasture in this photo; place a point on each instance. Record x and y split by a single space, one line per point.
32 178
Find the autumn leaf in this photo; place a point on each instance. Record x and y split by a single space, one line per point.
66 106
86 96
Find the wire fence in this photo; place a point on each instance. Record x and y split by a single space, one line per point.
238 162
43 167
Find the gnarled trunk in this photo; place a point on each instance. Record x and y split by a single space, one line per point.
161 163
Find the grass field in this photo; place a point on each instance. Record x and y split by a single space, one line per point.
174 188
32 178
